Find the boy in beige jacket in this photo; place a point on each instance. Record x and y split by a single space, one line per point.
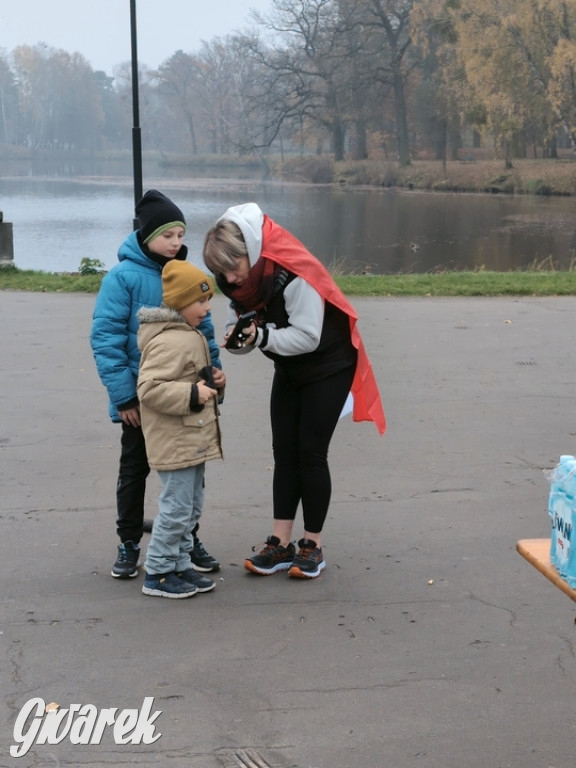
179 408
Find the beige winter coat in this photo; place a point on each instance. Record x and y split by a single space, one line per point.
172 355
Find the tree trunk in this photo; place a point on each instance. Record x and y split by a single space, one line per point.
192 133
553 148
401 120
518 145
440 140
360 151
338 136
455 139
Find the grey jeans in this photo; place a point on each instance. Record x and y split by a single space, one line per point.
180 505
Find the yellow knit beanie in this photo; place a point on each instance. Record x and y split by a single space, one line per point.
183 284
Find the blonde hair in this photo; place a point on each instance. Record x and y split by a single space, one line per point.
223 245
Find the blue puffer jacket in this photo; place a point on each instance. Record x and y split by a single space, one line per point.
133 283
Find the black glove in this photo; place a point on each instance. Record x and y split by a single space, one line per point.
208 376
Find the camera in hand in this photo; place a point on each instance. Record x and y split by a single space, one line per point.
237 337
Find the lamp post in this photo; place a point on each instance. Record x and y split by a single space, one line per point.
136 134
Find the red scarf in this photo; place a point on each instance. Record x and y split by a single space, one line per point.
256 291
281 247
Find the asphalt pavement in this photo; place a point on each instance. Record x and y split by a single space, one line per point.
427 642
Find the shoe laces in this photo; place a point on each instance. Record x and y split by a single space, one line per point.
309 551
123 554
265 546
199 549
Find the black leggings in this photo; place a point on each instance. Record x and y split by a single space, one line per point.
303 421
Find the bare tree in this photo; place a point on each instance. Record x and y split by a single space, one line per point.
387 23
8 104
177 82
306 69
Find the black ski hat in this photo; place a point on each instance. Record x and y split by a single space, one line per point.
157 213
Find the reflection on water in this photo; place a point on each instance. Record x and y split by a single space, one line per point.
58 221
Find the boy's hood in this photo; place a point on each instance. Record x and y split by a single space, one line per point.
161 314
155 320
130 249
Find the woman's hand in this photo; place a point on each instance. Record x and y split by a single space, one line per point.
249 335
241 337
245 343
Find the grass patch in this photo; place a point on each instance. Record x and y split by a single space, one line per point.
14 279
480 283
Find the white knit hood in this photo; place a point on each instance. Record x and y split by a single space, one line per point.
249 218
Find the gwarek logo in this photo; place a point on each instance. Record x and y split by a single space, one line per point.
39 723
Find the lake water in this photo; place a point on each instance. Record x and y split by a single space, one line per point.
59 221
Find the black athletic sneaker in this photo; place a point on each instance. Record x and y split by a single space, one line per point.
126 565
201 560
203 583
309 561
272 558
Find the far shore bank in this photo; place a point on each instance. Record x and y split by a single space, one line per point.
476 171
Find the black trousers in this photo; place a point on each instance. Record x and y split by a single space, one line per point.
131 486
303 419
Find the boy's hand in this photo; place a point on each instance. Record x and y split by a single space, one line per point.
219 378
204 392
131 416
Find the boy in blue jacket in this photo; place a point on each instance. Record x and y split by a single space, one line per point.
134 282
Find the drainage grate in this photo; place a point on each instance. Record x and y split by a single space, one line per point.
243 758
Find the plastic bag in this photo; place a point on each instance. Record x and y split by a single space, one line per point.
562 511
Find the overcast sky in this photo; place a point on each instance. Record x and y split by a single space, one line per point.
100 29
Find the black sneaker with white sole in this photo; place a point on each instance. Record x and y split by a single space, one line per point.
126 565
272 558
309 562
201 560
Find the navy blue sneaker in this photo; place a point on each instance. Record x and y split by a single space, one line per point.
198 580
126 565
168 585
